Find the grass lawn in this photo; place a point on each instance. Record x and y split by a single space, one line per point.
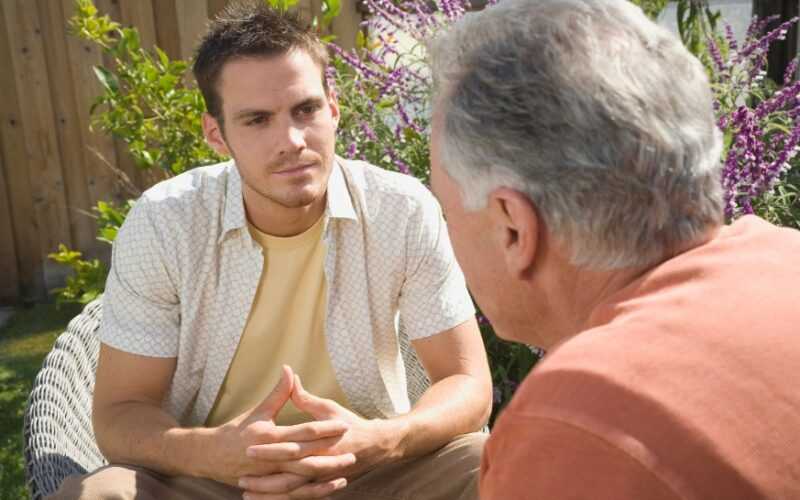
24 342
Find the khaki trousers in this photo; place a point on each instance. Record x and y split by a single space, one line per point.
450 473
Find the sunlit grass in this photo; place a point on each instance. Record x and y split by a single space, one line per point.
24 342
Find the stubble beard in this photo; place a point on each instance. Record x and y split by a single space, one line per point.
292 199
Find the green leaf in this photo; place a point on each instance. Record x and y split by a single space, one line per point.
107 78
410 134
88 296
162 56
147 157
330 10
167 82
777 127
87 8
107 234
727 140
64 255
282 5
387 102
132 37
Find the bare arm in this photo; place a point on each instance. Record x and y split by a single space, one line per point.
460 397
131 426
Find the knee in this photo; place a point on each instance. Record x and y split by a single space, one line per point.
113 482
470 446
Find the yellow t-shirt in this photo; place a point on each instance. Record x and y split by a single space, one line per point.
286 326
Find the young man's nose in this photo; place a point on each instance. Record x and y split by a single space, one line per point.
292 139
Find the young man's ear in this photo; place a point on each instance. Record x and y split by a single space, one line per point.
212 131
516 225
333 103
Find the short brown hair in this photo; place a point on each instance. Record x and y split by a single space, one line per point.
250 29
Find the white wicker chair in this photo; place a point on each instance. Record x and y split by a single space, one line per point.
58 435
59 440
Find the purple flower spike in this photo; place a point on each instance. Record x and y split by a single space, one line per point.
791 71
716 56
761 123
730 38
762 44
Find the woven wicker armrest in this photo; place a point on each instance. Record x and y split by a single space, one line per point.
58 435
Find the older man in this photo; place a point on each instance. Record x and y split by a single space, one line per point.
576 156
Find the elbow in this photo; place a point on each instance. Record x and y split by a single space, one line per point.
487 405
99 431
484 400
102 419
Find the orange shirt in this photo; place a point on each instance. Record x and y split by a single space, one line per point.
682 387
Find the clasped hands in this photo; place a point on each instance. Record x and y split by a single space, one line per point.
309 460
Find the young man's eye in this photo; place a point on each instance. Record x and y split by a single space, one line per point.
309 109
258 120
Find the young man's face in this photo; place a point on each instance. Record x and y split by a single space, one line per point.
279 126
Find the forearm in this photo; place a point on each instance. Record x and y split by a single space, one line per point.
142 434
455 405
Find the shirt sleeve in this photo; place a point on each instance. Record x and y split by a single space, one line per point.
434 296
532 458
141 311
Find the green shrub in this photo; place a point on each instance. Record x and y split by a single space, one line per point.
145 101
89 277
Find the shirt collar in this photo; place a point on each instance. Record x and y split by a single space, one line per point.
233 217
339 205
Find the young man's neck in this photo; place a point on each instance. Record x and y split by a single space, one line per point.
276 220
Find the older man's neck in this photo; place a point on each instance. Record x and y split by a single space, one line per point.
574 293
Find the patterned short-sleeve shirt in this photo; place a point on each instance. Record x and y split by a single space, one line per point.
185 271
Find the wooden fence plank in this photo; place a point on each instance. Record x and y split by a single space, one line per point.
44 166
67 126
347 25
9 276
166 21
139 14
307 9
15 159
215 6
192 21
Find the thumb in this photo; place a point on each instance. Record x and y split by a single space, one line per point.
317 407
273 403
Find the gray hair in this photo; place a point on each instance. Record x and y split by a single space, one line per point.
597 114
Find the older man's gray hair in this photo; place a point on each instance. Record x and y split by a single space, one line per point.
600 116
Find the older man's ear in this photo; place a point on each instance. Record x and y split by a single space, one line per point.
515 227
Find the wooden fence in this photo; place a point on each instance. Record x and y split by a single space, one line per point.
52 167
